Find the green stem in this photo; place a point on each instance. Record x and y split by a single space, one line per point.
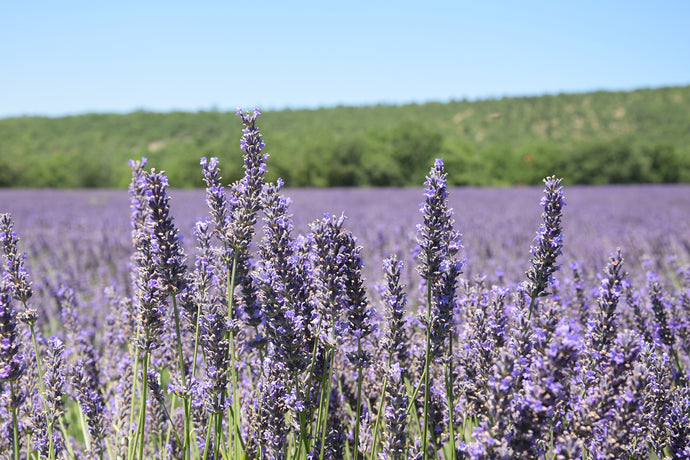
234 411
68 444
196 338
51 444
427 362
142 413
15 429
303 426
131 446
449 394
380 409
532 303
415 416
677 360
378 416
413 397
172 425
183 372
303 436
208 436
325 399
217 432
359 400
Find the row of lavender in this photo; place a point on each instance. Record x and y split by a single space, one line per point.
278 349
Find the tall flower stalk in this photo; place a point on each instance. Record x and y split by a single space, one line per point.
236 234
159 263
284 296
358 316
438 243
396 344
167 257
329 249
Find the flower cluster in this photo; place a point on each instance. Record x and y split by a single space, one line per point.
548 242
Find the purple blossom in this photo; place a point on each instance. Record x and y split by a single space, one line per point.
283 288
604 324
329 248
395 442
216 199
11 360
436 237
167 253
548 242
16 275
92 406
396 340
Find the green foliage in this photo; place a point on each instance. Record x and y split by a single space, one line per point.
591 138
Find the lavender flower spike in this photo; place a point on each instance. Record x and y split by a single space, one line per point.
549 241
436 237
16 275
357 311
166 242
216 199
137 197
11 362
604 324
438 243
396 341
254 159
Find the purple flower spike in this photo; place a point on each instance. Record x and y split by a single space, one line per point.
548 242
16 275
11 362
357 311
436 237
166 242
438 244
396 340
254 159
215 193
604 324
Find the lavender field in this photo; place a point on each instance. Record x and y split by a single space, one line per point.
431 322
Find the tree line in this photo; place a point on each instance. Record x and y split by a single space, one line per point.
602 137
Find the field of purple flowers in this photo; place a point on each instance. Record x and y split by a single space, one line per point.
255 321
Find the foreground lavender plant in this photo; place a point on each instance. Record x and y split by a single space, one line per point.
438 243
277 353
396 343
358 316
168 260
328 247
284 294
245 203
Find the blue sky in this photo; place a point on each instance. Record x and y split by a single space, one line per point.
72 57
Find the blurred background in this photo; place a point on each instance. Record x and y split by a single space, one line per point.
352 94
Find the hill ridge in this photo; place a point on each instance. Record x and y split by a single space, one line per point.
603 136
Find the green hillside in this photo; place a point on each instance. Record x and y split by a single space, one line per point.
599 137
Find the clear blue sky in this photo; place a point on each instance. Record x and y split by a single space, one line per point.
69 57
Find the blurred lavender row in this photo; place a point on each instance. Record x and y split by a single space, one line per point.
648 223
